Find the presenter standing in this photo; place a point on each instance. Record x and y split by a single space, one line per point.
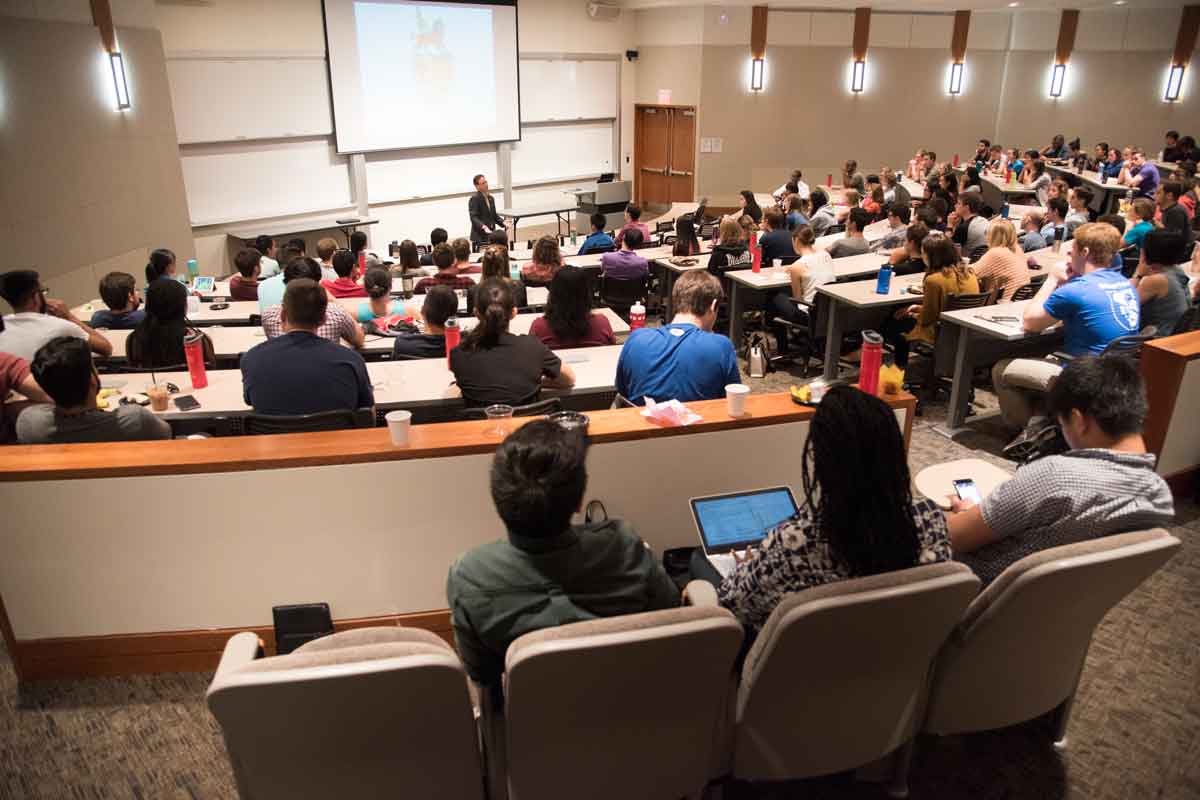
482 208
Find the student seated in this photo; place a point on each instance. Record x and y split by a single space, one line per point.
970 229
301 371
633 221
119 292
64 369
495 264
898 217
945 276
1162 286
1141 175
812 268
731 253
162 264
1104 484
441 303
325 249
268 266
1171 150
684 360
344 264
157 341
492 365
569 321
1055 225
794 185
873 202
447 274
1078 200
358 245
1057 149
15 377
1095 303
776 241
547 572
597 240
462 257
748 205
625 264
1174 216
244 285
410 259
795 212
378 284
853 243
1038 181
686 242
852 178
36 320
546 261
1003 266
854 450
337 325
1141 214
436 236
1031 232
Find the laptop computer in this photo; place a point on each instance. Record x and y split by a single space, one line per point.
729 522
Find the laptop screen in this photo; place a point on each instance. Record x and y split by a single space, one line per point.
735 521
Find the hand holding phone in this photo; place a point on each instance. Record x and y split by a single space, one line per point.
967 491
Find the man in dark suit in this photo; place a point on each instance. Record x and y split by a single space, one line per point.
482 208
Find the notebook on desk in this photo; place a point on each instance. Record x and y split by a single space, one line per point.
733 522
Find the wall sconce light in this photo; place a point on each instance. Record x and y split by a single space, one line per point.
757 68
1057 77
858 77
119 82
1174 83
956 78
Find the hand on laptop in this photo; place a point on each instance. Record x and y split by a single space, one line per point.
742 556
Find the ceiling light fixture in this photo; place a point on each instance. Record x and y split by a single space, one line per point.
1057 77
1174 84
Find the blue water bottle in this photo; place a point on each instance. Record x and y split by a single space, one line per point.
884 284
1004 210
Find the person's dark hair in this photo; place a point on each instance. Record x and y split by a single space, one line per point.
289 253
1187 142
972 200
299 244
1039 167
985 142
901 211
928 215
157 341
441 303
817 198
437 236
443 256
599 221
859 217
751 204
775 218
1075 144
951 181
494 263
686 242
633 238
18 286
634 211
63 368
791 186
498 237
695 292
1173 188
160 261
1108 389
263 243
344 262
1058 205
115 288
538 478
916 234
303 268
1031 156
1116 220
973 176
856 483
569 305
1084 194
1164 247
246 260
475 180
358 241
461 248
304 303
493 306
378 283
409 257
940 206
939 254
546 251
1172 134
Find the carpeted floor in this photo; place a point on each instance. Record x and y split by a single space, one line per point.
1135 732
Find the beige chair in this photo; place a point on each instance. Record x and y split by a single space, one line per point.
838 675
373 712
624 707
1019 651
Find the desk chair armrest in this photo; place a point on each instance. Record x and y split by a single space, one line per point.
240 650
702 594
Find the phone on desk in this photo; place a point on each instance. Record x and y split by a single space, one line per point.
204 283
967 491
185 402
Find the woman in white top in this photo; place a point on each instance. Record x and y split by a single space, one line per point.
812 269
1039 181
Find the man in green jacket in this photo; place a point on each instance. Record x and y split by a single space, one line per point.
548 572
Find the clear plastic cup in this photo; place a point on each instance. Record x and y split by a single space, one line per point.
159 396
498 416
399 424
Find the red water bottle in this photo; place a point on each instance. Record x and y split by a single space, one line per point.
829 181
872 360
956 159
193 349
362 263
755 253
453 337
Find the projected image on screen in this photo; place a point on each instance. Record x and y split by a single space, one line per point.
418 74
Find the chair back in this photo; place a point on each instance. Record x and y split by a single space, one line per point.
600 248
838 674
664 226
978 253
1020 647
707 230
1130 345
957 302
541 407
376 712
1025 292
588 712
337 420
620 294
1037 279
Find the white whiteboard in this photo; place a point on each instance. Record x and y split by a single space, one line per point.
254 181
429 172
249 98
568 150
566 89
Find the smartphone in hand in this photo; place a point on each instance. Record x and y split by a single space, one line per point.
967 491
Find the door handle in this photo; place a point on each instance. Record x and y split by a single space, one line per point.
681 173
659 170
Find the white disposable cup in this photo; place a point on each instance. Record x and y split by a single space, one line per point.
736 394
193 304
399 422
778 263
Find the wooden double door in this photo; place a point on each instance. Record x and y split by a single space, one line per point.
664 154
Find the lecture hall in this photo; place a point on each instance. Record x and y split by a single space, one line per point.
443 398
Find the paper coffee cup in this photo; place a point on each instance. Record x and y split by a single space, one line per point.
736 394
193 304
398 423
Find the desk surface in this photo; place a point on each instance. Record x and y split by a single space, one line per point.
1005 188
537 211
937 481
306 225
701 263
862 294
1089 177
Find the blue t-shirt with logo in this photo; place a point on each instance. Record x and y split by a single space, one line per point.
676 362
1095 309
